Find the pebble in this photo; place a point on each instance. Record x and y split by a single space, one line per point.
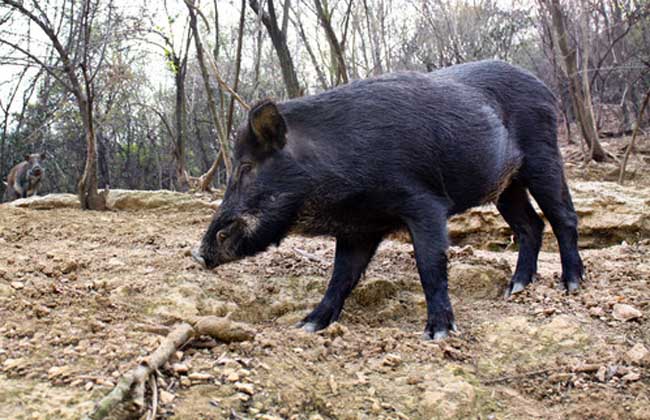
199 376
17 285
596 311
166 397
637 354
631 377
392 360
245 388
180 368
625 312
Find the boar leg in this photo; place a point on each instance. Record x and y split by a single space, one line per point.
552 194
428 228
351 259
515 207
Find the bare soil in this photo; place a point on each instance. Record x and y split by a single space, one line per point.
82 292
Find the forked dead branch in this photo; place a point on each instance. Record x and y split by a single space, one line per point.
128 396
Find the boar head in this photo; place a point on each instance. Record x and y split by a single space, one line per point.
264 193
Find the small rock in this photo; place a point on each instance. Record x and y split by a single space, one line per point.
414 379
199 376
231 375
17 285
596 311
637 354
391 360
631 377
185 381
69 267
6 290
559 377
166 397
58 371
245 388
625 312
601 375
334 330
89 385
180 368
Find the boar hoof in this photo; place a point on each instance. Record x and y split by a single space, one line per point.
514 288
310 327
440 334
196 255
572 286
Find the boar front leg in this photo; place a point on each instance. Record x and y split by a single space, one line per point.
427 224
351 259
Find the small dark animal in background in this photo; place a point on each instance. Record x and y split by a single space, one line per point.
404 150
24 179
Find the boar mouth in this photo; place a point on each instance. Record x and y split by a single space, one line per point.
196 256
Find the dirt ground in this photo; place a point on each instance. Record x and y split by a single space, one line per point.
82 292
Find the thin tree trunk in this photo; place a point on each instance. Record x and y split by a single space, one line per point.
581 107
335 46
279 40
212 105
235 87
182 180
630 147
301 31
590 118
89 197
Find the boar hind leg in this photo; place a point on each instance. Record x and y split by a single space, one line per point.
351 259
550 190
515 207
428 228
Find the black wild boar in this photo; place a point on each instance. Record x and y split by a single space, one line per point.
404 150
24 179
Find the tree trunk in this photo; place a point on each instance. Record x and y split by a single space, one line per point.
102 158
279 40
581 100
212 105
235 87
89 197
182 181
335 45
590 118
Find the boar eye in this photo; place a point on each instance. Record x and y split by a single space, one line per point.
221 235
245 168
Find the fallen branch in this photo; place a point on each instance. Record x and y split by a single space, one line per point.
130 389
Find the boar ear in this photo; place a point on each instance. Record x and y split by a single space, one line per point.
268 125
27 157
43 156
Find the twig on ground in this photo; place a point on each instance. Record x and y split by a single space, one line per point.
521 376
154 396
310 257
130 389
